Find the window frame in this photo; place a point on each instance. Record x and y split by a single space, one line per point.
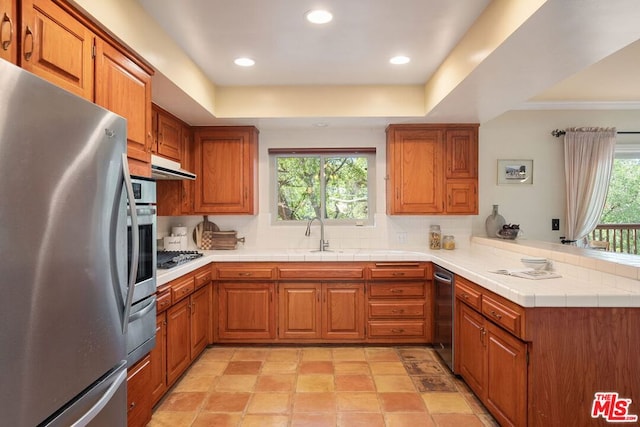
368 152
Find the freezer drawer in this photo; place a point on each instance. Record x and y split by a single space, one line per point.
104 404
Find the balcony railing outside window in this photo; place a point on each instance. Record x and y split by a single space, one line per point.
622 238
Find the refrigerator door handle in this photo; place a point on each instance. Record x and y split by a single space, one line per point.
135 243
100 404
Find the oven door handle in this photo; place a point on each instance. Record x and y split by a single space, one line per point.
442 278
135 243
147 308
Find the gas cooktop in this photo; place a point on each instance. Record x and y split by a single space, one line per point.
170 259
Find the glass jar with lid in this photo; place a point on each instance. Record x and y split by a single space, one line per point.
448 242
435 237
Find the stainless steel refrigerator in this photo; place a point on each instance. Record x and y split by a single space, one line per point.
63 256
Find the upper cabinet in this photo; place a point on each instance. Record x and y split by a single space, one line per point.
124 87
57 47
432 169
8 31
225 159
168 135
62 46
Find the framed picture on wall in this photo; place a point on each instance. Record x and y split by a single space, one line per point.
515 171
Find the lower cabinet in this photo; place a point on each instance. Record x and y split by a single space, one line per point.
491 360
159 360
246 311
187 331
138 397
328 311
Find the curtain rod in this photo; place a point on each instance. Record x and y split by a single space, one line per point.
558 133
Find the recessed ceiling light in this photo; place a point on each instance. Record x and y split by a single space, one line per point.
319 16
400 60
244 62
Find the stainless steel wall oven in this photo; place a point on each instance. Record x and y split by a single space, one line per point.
141 235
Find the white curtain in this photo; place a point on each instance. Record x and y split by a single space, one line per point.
588 160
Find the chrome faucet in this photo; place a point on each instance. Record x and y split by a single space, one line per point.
324 244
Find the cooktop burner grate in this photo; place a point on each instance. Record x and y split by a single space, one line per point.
170 259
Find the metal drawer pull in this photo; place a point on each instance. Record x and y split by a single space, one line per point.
496 315
398 273
7 43
401 310
465 296
28 33
245 274
397 331
396 291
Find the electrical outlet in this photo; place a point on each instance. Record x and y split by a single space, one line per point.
555 224
402 237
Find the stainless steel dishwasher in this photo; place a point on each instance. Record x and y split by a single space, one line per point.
443 314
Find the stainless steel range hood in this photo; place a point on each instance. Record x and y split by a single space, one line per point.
162 168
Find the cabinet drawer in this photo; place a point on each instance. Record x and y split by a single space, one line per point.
502 315
396 329
417 272
468 295
396 290
321 273
230 273
182 288
163 301
381 310
202 277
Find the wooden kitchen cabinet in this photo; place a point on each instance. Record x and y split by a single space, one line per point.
178 341
432 169
57 47
9 30
225 159
138 398
246 311
399 306
159 360
343 311
167 134
488 356
200 320
124 87
299 310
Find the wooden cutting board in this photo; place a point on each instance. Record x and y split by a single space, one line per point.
203 234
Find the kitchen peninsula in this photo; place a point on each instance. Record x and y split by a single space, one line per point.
578 332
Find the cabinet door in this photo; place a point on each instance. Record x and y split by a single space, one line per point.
159 360
226 166
470 348
9 31
507 377
462 153
57 47
246 311
169 137
200 320
462 196
415 171
123 87
343 311
138 393
178 340
299 310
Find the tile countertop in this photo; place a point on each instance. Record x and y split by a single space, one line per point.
586 281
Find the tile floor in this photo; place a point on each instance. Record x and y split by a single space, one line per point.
319 386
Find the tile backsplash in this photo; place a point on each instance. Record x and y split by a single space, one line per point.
388 232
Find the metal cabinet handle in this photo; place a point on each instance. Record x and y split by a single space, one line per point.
5 20
483 332
396 291
398 311
465 296
245 274
398 273
496 315
397 331
28 34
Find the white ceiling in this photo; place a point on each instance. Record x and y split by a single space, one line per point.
567 53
